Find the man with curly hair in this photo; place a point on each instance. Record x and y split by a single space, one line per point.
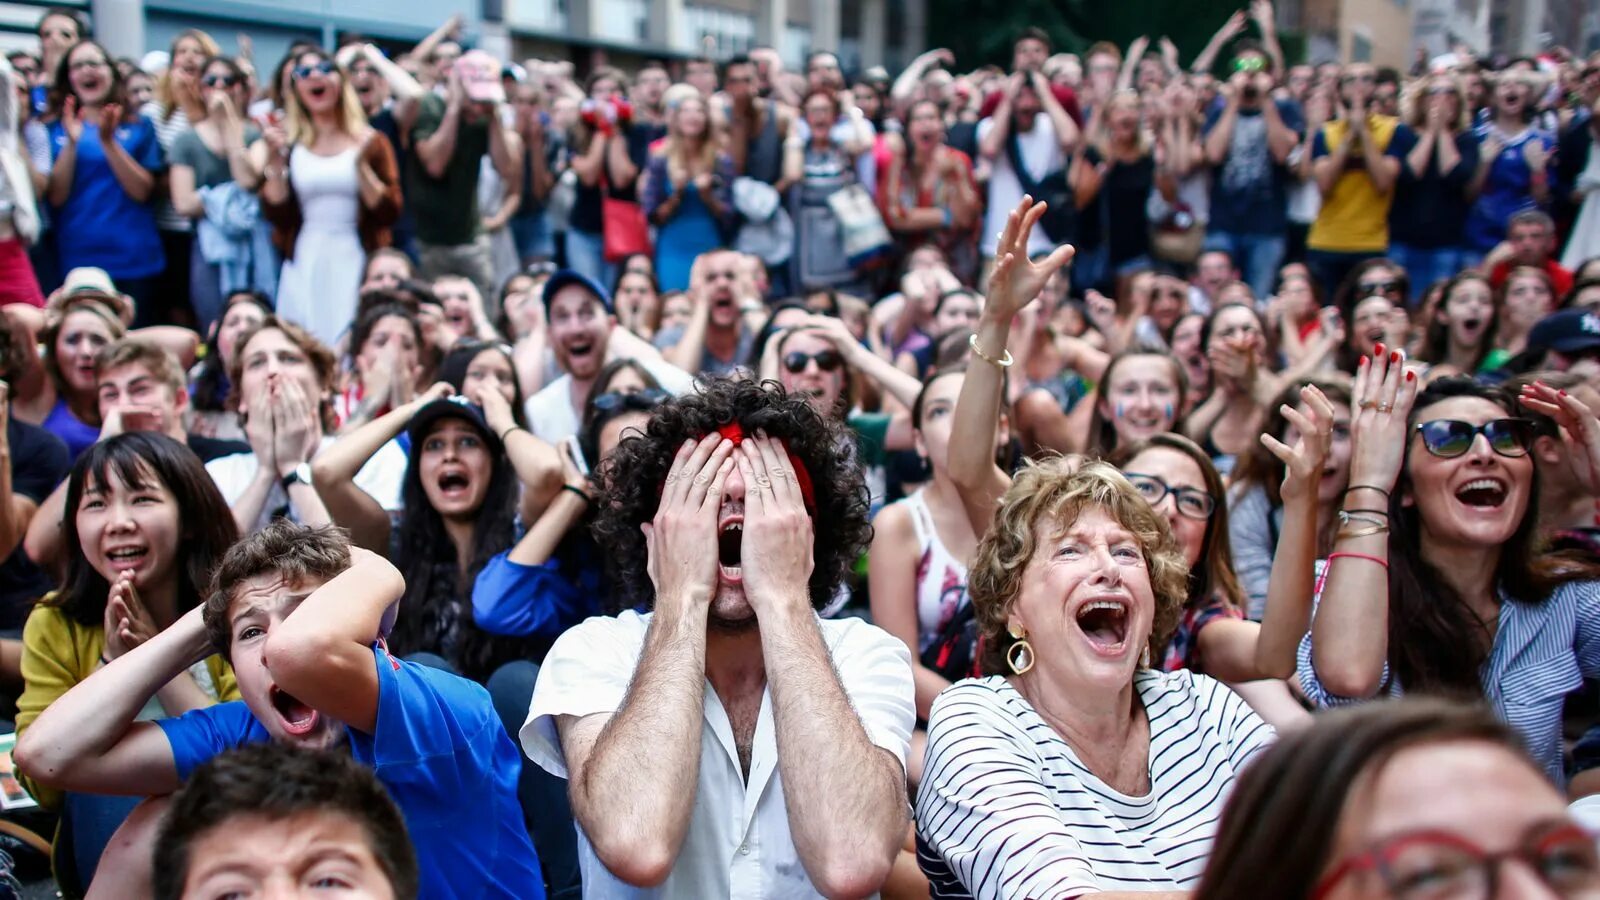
729 742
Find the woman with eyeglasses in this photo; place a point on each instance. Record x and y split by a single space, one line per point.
1513 156
210 167
330 187
1438 157
1460 335
105 161
1412 800
1437 582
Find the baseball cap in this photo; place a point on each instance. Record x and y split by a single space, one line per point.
1566 331
457 407
480 77
568 277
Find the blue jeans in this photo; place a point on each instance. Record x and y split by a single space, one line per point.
1424 266
546 809
533 237
87 823
1257 256
586 255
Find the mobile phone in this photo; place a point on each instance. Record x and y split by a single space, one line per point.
570 443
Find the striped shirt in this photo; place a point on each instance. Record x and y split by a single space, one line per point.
1007 810
167 130
1541 653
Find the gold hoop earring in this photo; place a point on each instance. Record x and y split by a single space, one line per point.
1019 656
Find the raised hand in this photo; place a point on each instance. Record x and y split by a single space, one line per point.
777 547
1381 402
496 411
1017 280
681 540
127 623
295 432
110 118
1303 463
258 426
71 122
1580 430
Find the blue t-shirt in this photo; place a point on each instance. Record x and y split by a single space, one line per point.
100 225
1430 211
441 752
1507 190
510 598
1250 189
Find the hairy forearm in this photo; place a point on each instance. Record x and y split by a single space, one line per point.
851 820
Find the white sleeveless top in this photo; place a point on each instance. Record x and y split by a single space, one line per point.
941 578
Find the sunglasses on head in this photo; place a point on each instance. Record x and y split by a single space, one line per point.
219 81
1249 64
644 400
325 67
1450 438
827 360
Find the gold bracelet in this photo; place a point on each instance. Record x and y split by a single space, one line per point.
1004 362
1361 532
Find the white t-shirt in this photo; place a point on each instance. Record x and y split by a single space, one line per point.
382 478
1041 154
738 843
1006 809
552 417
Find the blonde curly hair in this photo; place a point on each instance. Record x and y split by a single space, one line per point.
1051 495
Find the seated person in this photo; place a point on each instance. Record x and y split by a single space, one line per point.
303 614
275 814
37 462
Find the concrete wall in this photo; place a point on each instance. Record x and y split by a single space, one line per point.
1380 29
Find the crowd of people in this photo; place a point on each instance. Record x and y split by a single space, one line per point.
432 476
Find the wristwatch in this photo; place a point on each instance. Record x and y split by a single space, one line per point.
300 474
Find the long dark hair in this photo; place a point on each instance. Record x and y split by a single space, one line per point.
436 608
208 527
61 88
454 370
1436 643
1259 467
1297 791
209 391
1436 334
595 419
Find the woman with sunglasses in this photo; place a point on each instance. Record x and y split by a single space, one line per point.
1461 333
204 158
1412 800
104 163
331 189
1437 583
1438 157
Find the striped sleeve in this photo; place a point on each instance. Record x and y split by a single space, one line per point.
983 809
1586 638
1306 671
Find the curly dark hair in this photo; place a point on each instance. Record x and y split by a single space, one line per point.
630 481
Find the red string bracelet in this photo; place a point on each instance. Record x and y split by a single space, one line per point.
1328 564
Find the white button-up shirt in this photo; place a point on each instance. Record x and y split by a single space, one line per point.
738 844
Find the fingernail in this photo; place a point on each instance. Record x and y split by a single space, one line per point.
1410 375
1394 357
1563 393
1379 350
1363 359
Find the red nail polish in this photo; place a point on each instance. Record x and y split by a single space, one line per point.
1363 359
1379 350
1410 375
1563 393
1394 357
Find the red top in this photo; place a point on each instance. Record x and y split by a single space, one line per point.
1560 278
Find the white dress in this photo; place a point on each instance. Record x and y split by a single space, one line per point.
319 284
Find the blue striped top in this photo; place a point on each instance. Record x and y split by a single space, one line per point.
1541 653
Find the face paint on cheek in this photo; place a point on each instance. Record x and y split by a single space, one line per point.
1170 412
1117 411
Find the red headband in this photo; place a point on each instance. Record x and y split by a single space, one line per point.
733 432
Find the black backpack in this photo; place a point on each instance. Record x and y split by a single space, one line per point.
1060 221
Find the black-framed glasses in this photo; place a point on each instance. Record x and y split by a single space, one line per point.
1436 865
324 67
222 81
1449 438
82 64
643 400
1192 502
827 361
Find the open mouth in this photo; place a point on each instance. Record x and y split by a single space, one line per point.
454 483
1105 624
1471 326
579 349
1374 335
317 91
730 549
128 557
1482 493
297 717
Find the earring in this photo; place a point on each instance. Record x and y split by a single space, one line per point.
1144 658
1019 656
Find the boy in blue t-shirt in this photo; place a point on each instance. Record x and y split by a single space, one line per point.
299 612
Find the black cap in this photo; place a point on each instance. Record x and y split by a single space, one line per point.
457 407
568 277
1566 331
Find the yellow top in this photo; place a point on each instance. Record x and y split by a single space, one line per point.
57 653
1354 216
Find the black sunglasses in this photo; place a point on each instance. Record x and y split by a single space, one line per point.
1192 502
644 400
827 361
325 67
1377 287
1450 438
219 81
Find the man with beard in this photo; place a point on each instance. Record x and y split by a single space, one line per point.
729 742
716 340
584 336
300 614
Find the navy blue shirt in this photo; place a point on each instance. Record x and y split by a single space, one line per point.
100 225
440 750
1250 189
1430 211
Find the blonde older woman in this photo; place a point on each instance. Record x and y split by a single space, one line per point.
1073 769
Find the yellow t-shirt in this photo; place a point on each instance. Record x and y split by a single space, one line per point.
1354 216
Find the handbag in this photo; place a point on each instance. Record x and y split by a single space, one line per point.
861 230
624 229
1060 221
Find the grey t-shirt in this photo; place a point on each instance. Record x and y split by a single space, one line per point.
710 365
210 169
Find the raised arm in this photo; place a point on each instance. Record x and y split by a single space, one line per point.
136 181
88 741
632 774
1350 633
333 472
1208 56
436 149
1289 587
